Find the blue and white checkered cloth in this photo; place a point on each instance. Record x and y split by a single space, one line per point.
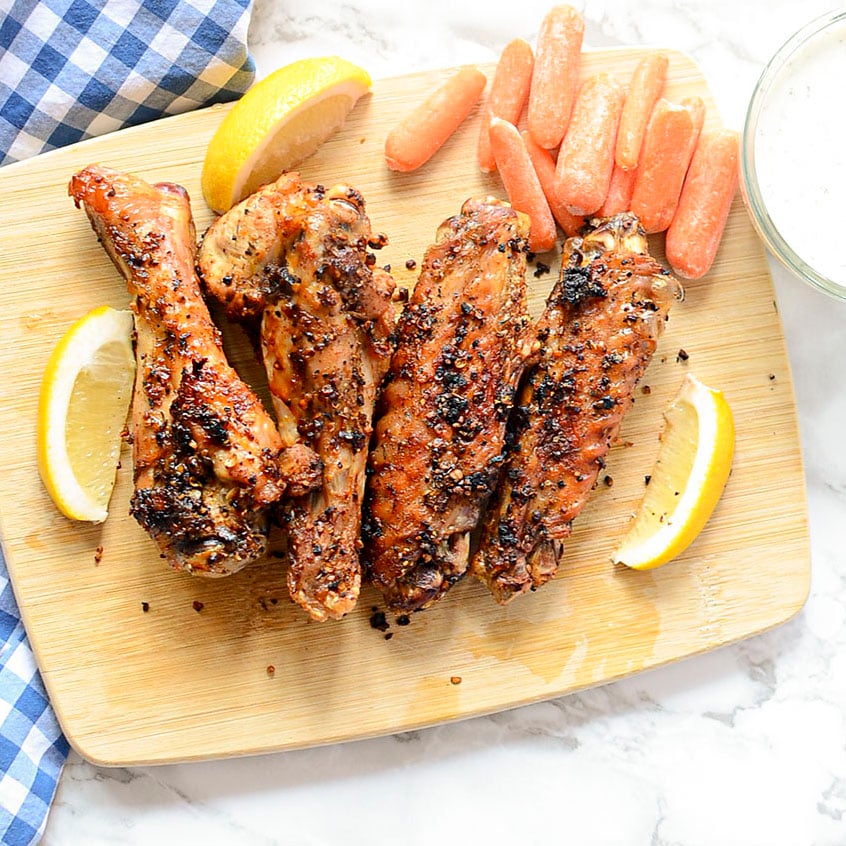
70 70
32 746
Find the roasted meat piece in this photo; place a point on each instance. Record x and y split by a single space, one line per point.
440 433
294 260
206 453
595 338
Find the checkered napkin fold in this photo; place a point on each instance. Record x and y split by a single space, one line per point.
70 70
73 69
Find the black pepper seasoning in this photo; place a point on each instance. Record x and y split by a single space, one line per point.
379 621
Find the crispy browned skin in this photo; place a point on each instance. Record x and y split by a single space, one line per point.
440 437
296 256
206 453
596 337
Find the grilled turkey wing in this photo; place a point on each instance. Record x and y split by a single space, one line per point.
440 434
206 453
595 338
295 257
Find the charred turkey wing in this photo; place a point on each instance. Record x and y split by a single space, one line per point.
295 258
595 338
440 434
206 453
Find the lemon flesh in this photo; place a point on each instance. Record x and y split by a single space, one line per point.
277 124
687 480
85 394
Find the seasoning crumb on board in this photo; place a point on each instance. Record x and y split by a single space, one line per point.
379 621
271 669
145 607
98 555
682 354
455 680
197 605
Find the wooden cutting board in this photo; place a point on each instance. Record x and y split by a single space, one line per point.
174 683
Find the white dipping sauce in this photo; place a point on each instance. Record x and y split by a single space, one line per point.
800 152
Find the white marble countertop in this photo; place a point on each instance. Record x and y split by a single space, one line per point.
745 745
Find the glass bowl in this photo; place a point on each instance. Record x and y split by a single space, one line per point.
793 155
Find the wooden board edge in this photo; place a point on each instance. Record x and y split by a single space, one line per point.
100 757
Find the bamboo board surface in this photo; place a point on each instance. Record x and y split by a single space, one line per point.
176 684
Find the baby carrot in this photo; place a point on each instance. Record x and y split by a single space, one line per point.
696 107
557 60
508 94
544 166
522 183
586 157
413 141
667 148
694 235
619 197
645 88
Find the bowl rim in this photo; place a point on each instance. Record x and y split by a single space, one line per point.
750 188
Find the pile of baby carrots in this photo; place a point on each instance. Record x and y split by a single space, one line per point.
590 148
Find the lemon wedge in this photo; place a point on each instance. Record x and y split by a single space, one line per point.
277 124
82 407
690 473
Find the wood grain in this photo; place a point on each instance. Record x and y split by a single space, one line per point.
176 684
